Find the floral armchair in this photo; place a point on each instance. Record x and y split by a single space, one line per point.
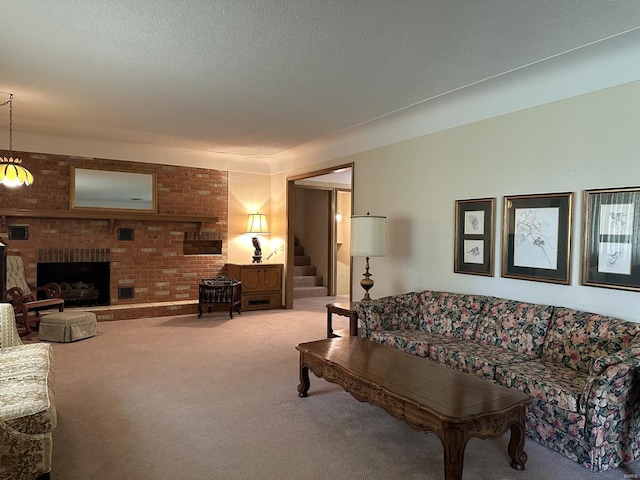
27 407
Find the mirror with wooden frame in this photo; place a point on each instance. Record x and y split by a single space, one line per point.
112 190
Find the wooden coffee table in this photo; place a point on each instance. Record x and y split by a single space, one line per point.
430 397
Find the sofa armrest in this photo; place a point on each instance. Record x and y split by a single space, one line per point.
371 316
630 355
610 400
394 312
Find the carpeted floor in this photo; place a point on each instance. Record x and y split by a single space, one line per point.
182 398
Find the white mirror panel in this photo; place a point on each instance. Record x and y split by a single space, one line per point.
112 190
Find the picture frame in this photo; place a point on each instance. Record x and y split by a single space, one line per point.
473 240
536 238
611 250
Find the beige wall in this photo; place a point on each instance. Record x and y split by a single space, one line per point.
581 143
249 193
343 259
585 142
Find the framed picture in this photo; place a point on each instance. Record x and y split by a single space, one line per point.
611 253
536 237
473 249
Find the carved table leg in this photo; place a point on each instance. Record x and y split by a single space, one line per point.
516 445
329 327
303 388
454 442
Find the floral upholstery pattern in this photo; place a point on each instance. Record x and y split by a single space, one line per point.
555 384
476 358
451 314
576 338
396 312
517 326
27 406
583 369
415 342
559 430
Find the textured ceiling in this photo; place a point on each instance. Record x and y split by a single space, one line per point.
258 77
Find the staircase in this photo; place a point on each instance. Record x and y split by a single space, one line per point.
306 281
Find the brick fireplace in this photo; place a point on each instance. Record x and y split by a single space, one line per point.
153 264
82 273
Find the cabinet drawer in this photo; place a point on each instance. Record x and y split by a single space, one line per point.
261 301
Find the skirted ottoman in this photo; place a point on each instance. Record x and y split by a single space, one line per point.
67 326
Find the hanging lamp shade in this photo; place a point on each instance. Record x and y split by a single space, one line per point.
12 173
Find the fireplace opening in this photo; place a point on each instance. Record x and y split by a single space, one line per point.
82 283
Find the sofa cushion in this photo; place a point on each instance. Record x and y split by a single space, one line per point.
575 338
547 381
472 357
516 326
26 388
451 314
416 342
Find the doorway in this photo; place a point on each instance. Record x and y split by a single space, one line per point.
319 207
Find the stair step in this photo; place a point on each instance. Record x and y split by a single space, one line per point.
302 260
303 270
304 292
299 251
307 281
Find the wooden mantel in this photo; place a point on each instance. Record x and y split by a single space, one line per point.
111 216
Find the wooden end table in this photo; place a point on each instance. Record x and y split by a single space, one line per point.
346 310
430 397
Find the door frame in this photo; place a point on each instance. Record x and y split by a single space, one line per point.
290 228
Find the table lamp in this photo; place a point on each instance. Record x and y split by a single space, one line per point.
368 239
256 224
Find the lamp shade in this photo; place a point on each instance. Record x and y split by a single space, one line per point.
368 236
13 174
256 223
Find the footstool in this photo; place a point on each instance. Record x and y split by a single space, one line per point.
67 326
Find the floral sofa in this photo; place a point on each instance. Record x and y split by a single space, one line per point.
27 408
583 369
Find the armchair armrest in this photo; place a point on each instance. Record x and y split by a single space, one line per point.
51 290
8 332
25 453
15 296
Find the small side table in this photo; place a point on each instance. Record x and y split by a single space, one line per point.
345 310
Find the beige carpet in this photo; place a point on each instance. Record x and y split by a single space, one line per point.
212 398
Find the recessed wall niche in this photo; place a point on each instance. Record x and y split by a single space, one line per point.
202 244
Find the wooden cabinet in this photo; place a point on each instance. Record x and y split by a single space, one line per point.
261 284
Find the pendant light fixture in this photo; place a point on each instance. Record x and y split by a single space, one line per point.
12 173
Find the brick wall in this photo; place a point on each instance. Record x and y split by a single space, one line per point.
153 263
